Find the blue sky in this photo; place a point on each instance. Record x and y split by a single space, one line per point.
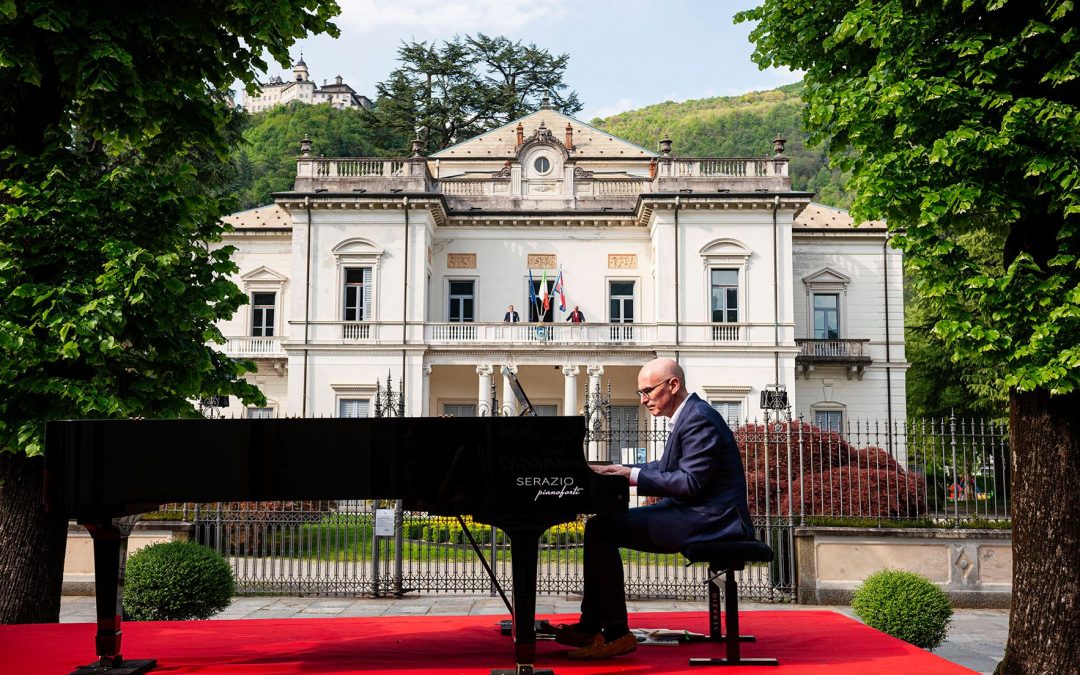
623 54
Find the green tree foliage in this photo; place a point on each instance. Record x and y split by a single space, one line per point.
267 159
114 135
738 126
960 122
445 93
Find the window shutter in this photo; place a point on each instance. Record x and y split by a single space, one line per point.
367 297
353 407
731 411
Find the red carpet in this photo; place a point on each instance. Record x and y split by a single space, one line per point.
804 641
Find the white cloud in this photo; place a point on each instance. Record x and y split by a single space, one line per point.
443 18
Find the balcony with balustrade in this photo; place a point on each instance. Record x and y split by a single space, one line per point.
851 354
502 335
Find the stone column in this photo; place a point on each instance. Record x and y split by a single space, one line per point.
483 393
509 402
425 392
570 374
595 373
597 449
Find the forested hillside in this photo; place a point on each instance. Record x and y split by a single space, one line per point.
727 126
736 126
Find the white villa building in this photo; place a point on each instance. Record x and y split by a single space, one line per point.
277 91
404 268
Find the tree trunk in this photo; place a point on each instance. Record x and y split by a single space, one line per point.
1044 625
32 545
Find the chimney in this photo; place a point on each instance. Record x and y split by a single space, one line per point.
569 137
520 134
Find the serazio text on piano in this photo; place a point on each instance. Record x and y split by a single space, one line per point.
565 485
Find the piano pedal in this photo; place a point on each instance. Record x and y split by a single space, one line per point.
522 669
506 627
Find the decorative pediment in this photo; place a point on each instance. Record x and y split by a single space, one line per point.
542 136
263 274
827 277
542 127
725 252
357 251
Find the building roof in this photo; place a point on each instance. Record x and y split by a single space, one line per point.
262 217
588 141
819 216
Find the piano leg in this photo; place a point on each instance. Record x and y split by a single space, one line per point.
110 552
524 546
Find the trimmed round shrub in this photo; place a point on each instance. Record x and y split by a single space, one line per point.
904 605
176 581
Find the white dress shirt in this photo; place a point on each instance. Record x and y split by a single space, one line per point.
670 425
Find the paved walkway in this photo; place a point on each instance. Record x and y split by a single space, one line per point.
976 637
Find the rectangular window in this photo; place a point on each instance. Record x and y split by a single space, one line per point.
459 409
725 296
354 407
536 309
357 293
830 420
462 302
731 411
262 314
826 316
260 413
546 410
621 295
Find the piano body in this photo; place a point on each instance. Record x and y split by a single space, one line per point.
520 474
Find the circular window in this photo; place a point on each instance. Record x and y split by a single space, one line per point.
542 165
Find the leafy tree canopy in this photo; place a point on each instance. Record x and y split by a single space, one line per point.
954 118
112 125
445 93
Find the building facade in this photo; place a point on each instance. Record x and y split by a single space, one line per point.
277 91
404 269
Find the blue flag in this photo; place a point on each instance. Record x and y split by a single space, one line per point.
532 292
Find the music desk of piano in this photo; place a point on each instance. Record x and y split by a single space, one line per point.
520 474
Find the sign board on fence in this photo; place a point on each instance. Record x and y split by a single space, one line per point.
384 522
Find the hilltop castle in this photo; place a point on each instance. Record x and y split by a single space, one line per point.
277 91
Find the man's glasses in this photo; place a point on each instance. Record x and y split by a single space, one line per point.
648 390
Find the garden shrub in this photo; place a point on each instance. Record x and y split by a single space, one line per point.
176 581
904 605
837 479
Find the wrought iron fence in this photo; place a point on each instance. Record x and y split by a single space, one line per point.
945 469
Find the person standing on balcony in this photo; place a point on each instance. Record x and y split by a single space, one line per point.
511 316
702 490
576 316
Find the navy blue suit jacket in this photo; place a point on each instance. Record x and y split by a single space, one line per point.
700 477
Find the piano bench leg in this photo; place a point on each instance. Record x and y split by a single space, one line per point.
731 636
136 667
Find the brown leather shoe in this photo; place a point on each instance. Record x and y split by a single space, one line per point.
572 634
605 650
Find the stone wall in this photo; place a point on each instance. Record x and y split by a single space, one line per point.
974 567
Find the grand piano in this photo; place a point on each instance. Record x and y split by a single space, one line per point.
520 474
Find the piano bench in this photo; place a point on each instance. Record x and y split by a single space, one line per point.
727 558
